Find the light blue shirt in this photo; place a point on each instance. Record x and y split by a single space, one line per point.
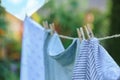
32 58
43 56
111 70
60 60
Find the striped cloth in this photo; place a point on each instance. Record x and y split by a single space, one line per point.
79 72
94 63
87 65
94 67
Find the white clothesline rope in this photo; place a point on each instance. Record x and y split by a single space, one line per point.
71 38
66 37
110 37
103 38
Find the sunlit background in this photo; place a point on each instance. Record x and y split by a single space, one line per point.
67 15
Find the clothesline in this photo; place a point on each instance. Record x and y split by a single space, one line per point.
66 37
110 37
103 38
71 38
98 60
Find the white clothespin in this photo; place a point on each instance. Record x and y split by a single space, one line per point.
80 34
45 24
52 27
86 29
90 31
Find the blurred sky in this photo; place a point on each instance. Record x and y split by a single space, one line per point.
101 4
20 8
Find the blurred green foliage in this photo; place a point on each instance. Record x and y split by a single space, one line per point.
113 45
3 22
69 15
7 70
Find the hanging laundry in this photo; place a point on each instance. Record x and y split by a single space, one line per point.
20 8
94 71
94 63
86 64
110 69
79 72
32 58
60 60
43 56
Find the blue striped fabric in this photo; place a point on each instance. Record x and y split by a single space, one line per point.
87 65
32 58
79 72
94 63
94 67
106 67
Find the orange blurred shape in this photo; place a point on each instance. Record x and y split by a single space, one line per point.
2 32
89 18
15 56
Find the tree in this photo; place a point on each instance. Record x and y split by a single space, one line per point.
3 29
2 21
113 45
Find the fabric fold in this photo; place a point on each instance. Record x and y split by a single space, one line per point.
61 60
94 63
32 57
57 51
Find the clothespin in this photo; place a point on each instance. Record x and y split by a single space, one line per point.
52 27
86 29
80 33
45 24
90 31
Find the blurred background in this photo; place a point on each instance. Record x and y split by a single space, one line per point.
67 15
